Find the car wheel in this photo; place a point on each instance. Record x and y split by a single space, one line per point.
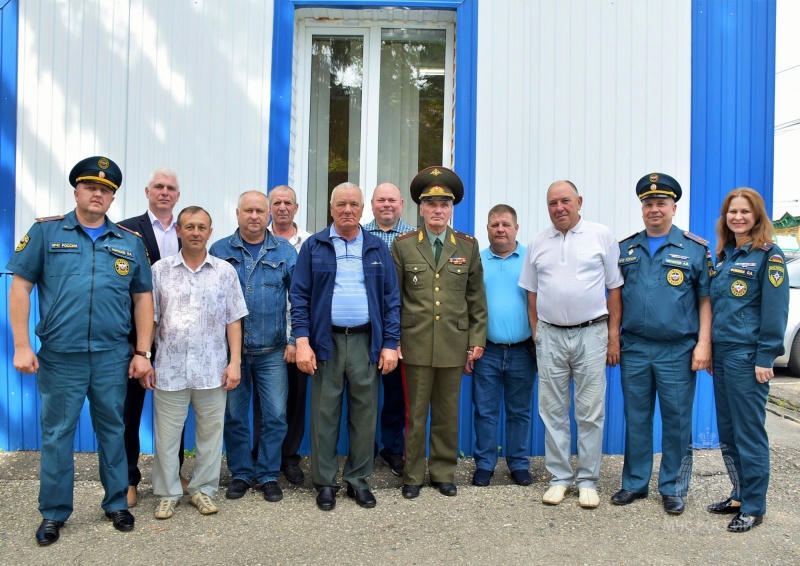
794 356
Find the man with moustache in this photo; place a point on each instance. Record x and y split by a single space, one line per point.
345 316
443 326
666 338
387 209
283 207
198 310
568 268
264 265
157 227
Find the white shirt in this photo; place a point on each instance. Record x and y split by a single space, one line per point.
297 240
570 274
167 239
192 311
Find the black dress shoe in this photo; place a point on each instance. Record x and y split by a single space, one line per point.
411 491
743 522
445 488
363 497
673 504
326 499
724 507
293 474
394 461
48 531
122 519
624 497
272 491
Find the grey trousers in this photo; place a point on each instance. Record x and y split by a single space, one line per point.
171 408
577 355
348 371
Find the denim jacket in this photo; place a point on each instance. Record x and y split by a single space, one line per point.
265 283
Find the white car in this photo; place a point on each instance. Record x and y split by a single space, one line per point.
791 341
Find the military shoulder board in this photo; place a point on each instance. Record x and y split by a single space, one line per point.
50 218
409 234
629 237
696 238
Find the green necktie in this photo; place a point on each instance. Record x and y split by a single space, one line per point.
437 245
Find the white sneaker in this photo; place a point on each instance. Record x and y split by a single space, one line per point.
203 503
555 495
588 498
166 508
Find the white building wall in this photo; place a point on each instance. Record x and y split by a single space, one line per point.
593 91
149 83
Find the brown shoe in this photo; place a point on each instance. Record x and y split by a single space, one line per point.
133 496
185 485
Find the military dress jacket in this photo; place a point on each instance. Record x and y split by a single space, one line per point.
442 306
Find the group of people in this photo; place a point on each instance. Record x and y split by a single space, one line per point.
248 318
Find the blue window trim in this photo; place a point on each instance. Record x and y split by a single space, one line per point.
465 95
9 21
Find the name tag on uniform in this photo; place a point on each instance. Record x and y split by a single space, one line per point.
675 262
121 253
627 260
64 247
739 272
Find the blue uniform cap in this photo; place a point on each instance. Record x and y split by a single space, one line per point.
658 185
97 169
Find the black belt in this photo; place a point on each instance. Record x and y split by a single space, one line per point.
363 329
582 324
510 345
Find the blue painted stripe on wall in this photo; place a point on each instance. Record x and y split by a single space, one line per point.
9 17
733 104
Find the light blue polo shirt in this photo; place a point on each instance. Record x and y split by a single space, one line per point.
506 300
349 306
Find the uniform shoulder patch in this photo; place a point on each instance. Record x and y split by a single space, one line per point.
767 246
128 230
50 218
463 236
629 237
696 238
406 235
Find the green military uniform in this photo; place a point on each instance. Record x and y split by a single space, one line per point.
443 312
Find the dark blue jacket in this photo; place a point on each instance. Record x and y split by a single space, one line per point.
750 301
311 294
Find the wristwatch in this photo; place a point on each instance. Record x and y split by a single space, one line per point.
147 355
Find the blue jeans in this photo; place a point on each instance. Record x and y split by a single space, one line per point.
267 372
508 373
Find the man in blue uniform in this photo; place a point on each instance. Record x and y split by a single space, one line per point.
87 271
666 338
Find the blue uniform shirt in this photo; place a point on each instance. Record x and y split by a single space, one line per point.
506 300
84 287
750 300
660 294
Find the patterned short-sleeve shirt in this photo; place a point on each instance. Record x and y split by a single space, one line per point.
192 311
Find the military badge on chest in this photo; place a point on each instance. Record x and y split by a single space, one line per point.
675 277
121 266
739 288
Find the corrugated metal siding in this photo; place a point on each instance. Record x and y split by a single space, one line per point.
570 105
597 92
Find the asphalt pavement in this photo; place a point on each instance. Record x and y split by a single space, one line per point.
500 524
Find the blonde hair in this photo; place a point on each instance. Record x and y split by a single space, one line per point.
761 232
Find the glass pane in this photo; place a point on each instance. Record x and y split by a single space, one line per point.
334 145
411 123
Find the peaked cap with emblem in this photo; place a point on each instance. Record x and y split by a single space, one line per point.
97 169
658 185
437 182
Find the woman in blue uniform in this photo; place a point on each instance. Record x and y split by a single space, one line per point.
750 306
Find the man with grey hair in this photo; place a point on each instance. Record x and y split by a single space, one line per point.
387 208
568 268
346 321
157 227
